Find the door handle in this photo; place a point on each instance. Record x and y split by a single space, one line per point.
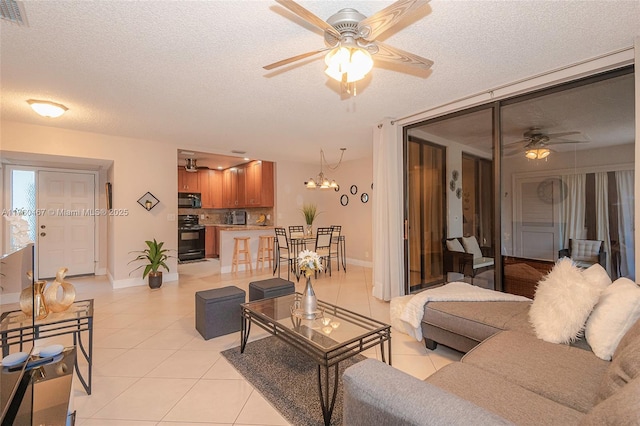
42 234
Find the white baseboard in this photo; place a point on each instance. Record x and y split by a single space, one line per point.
134 282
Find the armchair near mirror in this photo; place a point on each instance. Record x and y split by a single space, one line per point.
585 252
465 256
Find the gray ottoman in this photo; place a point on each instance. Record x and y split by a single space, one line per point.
272 287
218 311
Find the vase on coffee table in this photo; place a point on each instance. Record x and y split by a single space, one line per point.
309 301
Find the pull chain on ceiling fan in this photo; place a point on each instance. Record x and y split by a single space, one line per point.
351 40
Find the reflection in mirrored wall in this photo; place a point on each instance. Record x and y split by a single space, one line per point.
568 180
566 187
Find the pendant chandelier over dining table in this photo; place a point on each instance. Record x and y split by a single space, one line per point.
322 181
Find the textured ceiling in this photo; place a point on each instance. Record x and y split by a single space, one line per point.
191 72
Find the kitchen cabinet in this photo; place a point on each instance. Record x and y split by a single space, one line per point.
259 184
188 181
234 187
211 241
210 182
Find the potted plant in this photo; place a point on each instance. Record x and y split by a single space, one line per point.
310 212
156 257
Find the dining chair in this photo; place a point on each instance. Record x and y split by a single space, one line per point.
296 231
337 240
285 253
323 246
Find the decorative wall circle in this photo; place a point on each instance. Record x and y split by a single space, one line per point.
372 186
344 200
364 197
455 174
459 193
337 188
452 185
353 190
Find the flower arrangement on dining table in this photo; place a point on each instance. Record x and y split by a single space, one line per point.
309 262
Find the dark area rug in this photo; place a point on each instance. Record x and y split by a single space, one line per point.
287 378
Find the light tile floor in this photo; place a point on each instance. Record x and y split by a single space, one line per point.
151 366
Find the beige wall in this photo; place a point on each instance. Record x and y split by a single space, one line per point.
138 166
355 218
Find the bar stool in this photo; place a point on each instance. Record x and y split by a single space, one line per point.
238 250
265 251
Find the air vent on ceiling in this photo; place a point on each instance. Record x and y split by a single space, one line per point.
13 11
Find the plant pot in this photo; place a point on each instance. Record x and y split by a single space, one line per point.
155 279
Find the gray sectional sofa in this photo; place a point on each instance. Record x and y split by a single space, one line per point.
511 377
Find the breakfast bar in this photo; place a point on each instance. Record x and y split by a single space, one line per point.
227 235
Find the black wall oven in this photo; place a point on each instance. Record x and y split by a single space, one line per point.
190 238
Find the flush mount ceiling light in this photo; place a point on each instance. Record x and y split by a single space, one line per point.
47 108
322 181
537 154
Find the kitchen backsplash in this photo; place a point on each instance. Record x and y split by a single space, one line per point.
217 216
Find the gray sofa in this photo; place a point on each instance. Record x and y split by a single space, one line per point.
510 378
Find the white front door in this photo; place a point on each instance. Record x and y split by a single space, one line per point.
65 229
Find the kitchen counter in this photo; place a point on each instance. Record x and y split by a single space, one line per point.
227 235
244 227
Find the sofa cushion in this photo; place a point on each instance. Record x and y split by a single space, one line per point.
624 368
622 408
478 320
501 396
454 245
561 373
471 246
564 299
616 311
377 394
631 336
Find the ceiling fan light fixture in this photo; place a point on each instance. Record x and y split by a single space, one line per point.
47 108
537 153
355 62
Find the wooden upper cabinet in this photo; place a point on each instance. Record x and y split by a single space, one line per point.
229 188
188 181
211 189
259 184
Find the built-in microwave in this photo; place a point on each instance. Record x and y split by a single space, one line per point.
189 200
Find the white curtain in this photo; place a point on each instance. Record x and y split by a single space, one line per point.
573 210
602 214
388 245
624 183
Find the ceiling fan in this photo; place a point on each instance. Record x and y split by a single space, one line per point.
350 38
192 166
536 141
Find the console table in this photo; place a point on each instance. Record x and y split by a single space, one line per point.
16 328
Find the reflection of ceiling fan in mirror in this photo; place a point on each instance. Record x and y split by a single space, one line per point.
192 166
351 40
535 143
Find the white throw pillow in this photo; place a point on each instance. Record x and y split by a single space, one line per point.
471 246
617 310
454 245
563 301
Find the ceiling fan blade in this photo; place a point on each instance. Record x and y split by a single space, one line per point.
293 59
309 17
563 142
393 54
517 142
558 135
371 27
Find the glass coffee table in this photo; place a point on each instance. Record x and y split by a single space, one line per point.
335 335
